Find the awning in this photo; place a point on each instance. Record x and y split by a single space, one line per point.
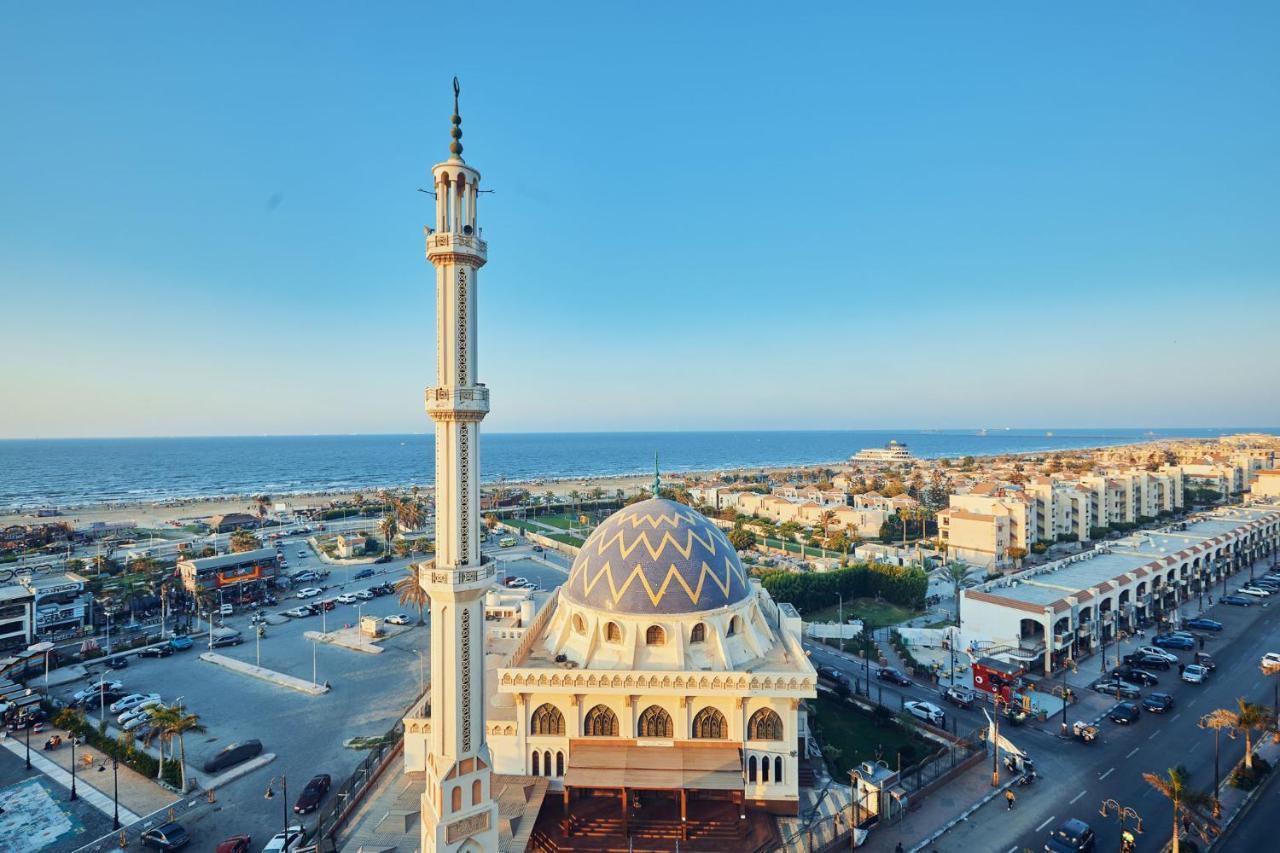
603 765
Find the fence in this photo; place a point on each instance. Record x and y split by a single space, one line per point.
348 795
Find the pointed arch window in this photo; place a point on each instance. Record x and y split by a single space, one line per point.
699 633
764 724
710 723
735 625
751 769
546 720
777 769
654 722
654 635
613 632
600 722
537 763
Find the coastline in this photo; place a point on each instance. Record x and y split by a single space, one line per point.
168 512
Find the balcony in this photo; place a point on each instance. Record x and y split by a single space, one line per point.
446 242
472 400
468 576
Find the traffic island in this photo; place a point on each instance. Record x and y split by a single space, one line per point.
270 675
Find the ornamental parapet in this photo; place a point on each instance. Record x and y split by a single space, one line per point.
516 680
471 402
449 243
430 575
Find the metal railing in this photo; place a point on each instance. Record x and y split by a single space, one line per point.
349 794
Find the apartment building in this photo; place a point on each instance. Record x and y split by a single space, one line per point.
866 522
977 538
1220 476
1009 502
1266 484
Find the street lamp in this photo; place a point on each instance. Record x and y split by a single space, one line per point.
1066 692
115 788
29 692
284 797
74 795
44 648
1122 813
1204 723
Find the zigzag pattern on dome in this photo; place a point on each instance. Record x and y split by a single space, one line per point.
656 556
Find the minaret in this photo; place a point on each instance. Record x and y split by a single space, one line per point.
458 811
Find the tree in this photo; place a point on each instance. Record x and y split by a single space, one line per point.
1247 718
411 592
409 514
181 724
826 519
1017 554
741 538
388 528
958 572
161 720
1191 808
490 522
242 540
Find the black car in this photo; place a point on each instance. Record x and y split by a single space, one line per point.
171 836
891 675
1073 836
1236 600
156 651
830 673
1145 661
231 640
120 662
363 573
1157 703
1202 624
312 795
1124 713
1133 675
233 755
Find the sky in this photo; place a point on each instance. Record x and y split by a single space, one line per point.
704 216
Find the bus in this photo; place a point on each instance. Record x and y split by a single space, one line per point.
507 541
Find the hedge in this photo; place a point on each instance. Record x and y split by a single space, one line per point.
131 757
813 591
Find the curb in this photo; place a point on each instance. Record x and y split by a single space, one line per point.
342 643
277 678
241 770
963 816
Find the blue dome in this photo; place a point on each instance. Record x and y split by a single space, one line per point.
654 557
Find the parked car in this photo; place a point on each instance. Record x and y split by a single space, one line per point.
1270 660
231 640
396 619
1173 641
363 573
233 755
120 662
327 605
180 643
163 651
304 576
312 795
382 589
1133 675
364 595
309 592
138 722
298 612
136 711
170 836
1203 624
1145 661
234 844
285 842
97 687
1157 703
1236 600
1255 591
1157 651
959 695
926 711
1072 836
892 675
133 700
1194 673
1205 660
1124 713
1119 689
346 598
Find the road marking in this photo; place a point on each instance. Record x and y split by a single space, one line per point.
1152 736
1130 753
1105 775
1013 849
1076 797
1046 823
1175 717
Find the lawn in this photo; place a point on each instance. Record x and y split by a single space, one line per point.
874 614
858 737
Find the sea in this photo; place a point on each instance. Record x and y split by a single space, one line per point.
85 472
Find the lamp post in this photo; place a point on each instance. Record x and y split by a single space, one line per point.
43 648
284 797
74 795
1066 693
115 791
1217 780
1123 814
29 691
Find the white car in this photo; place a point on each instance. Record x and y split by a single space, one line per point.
926 711
397 619
309 592
1271 660
1156 651
133 700
285 842
364 595
136 711
346 598
297 612
1194 673
302 555
143 719
1255 591
92 690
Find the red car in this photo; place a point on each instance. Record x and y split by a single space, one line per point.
235 844
313 794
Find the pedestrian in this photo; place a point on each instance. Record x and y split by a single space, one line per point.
898 848
1009 798
1182 667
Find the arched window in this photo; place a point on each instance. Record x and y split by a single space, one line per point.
710 723
613 632
699 633
559 763
654 722
655 636
475 793
455 798
764 769
537 763
579 624
764 725
546 720
734 624
777 769
546 762
751 769
600 722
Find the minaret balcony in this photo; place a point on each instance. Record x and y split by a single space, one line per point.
451 243
464 577
472 400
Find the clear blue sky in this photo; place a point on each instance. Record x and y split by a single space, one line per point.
705 215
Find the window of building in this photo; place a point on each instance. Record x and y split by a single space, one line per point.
751 769
600 722
475 793
546 720
710 723
655 636
734 625
777 769
579 624
699 633
537 763
764 724
455 798
613 632
546 762
764 769
654 722
559 763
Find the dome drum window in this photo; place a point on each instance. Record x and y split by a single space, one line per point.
613 632
655 636
699 633
579 624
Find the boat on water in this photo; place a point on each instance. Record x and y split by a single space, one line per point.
894 451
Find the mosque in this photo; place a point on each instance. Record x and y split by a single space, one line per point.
656 696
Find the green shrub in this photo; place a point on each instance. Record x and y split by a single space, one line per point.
1246 779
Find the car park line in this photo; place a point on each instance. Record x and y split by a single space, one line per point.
1105 775
1132 751
1152 736
1077 797
1041 827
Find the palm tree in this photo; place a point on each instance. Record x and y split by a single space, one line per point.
827 517
243 540
1246 719
958 572
411 592
388 528
161 719
1191 808
182 723
409 514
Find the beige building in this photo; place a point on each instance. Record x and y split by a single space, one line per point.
351 545
1266 484
977 538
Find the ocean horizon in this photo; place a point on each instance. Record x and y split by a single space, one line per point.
93 471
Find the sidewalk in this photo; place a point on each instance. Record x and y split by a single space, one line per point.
945 807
